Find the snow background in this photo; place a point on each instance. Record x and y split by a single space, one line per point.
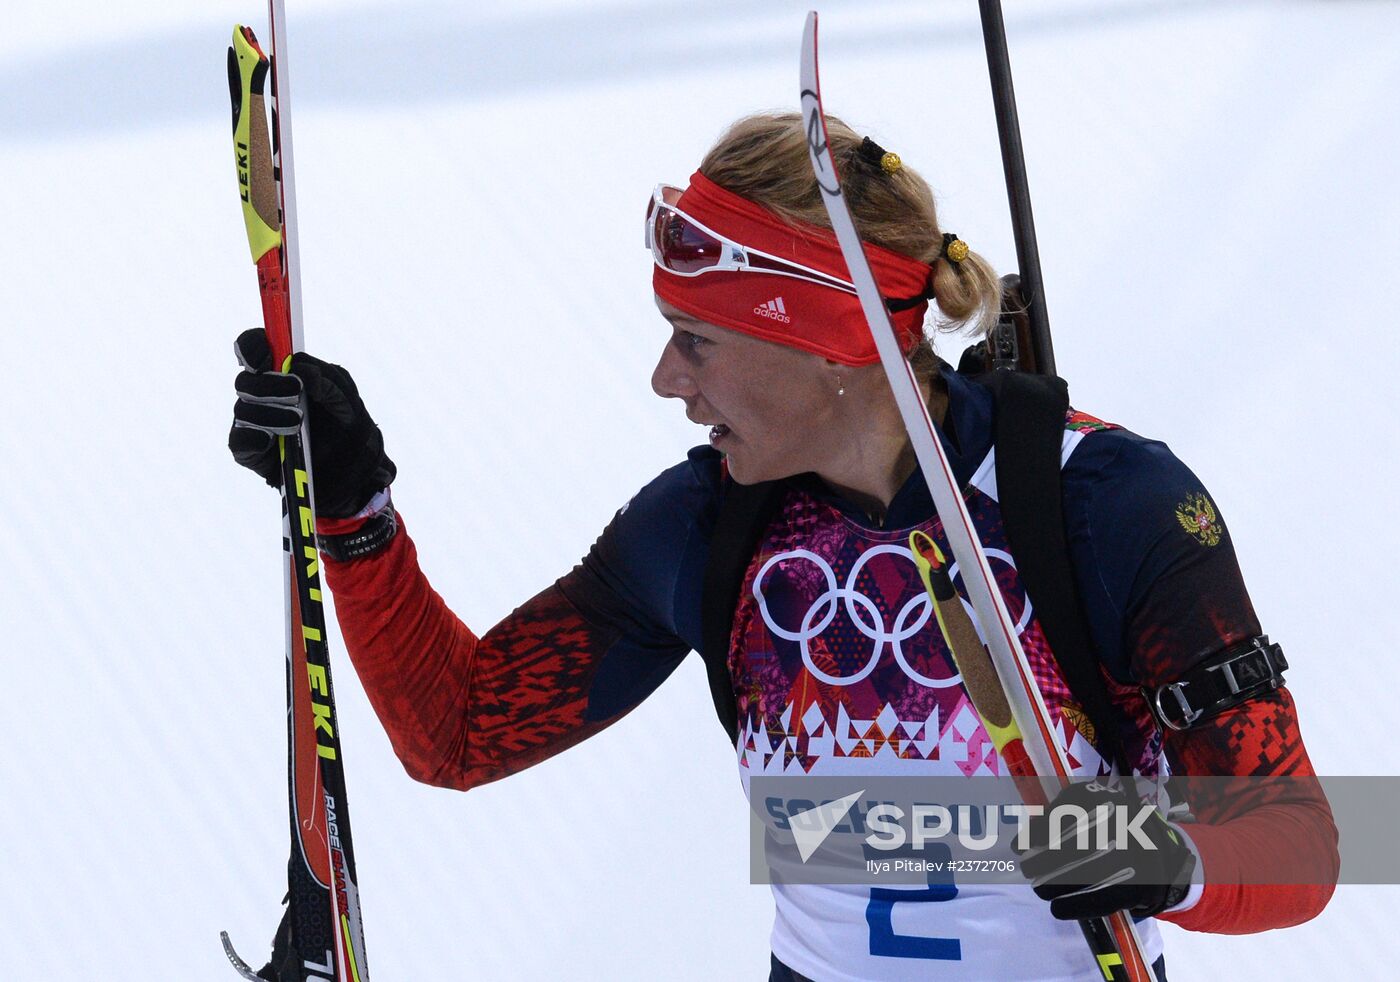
1214 190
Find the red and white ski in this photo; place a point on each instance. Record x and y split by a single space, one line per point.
1114 940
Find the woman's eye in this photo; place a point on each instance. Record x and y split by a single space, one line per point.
692 340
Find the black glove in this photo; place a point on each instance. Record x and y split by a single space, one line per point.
347 449
1149 874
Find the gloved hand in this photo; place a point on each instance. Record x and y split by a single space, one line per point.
347 449
1149 873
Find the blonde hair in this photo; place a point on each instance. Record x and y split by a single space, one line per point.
764 158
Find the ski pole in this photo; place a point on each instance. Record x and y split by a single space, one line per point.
321 938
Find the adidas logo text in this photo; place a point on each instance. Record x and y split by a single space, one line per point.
773 310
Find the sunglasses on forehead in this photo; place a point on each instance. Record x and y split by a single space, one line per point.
681 245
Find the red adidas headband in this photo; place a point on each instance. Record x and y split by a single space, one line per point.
782 309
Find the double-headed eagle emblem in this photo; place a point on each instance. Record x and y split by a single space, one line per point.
1197 516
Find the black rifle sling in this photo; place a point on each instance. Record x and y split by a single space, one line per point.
1029 432
744 513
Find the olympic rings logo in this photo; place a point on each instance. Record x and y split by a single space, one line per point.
866 615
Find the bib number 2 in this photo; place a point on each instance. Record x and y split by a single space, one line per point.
879 915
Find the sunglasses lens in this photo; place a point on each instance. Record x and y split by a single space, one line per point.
680 246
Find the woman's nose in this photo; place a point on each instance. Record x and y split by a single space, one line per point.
671 379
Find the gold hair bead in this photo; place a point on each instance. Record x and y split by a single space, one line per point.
890 162
957 250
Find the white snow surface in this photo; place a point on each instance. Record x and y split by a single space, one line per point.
1214 185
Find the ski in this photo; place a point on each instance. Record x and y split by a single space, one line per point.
320 938
1115 943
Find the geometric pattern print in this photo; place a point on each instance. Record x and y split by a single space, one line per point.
959 745
838 664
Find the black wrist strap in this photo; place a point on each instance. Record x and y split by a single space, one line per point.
377 532
1181 886
1225 680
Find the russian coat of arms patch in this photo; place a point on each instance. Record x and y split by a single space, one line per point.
1197 516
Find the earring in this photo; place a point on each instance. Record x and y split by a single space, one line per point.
840 387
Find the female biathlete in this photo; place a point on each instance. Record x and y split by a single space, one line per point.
768 347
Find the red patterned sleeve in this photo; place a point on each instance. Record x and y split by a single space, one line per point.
1250 829
1253 828
462 710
